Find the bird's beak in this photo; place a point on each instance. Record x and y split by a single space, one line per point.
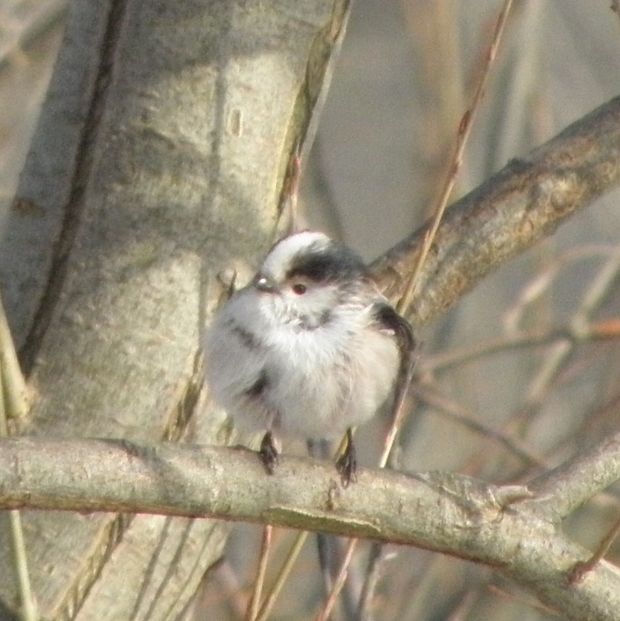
265 284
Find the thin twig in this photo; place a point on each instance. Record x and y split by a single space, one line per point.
228 590
399 414
600 331
290 193
14 403
463 133
561 352
541 282
563 489
28 610
11 377
373 573
580 570
432 397
260 574
339 582
270 601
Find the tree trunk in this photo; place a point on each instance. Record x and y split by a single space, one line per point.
159 159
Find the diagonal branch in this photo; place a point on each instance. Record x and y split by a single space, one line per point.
511 211
447 513
565 488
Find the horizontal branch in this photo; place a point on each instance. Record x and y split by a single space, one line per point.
507 214
447 513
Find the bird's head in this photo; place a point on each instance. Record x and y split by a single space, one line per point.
306 276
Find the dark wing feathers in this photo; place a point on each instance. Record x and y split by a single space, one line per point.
388 318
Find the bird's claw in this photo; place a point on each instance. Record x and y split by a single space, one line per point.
268 453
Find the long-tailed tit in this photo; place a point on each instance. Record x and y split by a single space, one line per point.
309 348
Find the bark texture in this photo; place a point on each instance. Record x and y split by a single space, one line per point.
524 202
158 160
513 529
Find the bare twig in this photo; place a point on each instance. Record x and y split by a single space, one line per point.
542 281
399 414
323 55
375 564
599 331
28 610
270 601
259 581
228 588
290 194
339 581
560 353
404 303
11 377
580 570
431 396
14 403
464 131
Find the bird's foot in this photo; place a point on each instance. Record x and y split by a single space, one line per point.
346 464
268 453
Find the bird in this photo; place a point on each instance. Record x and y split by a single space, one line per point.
309 348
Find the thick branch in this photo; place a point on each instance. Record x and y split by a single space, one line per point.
524 202
447 513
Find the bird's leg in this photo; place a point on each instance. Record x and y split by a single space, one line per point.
347 462
268 452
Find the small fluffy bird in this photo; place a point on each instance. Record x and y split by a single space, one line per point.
309 348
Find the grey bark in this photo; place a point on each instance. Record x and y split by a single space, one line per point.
515 208
513 529
159 158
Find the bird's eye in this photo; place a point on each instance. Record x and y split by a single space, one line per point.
299 288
